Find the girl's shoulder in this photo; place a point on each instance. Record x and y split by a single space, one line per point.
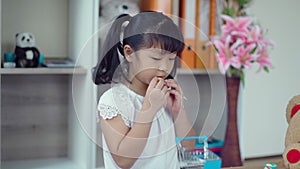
118 93
117 100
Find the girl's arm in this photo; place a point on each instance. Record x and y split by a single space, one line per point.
183 127
127 144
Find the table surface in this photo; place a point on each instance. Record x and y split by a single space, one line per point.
259 167
279 166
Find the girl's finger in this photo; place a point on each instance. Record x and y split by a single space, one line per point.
160 83
176 93
165 89
152 83
171 83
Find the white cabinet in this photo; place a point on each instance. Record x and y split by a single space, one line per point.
48 115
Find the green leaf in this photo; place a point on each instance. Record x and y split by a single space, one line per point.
215 50
253 50
234 71
266 69
243 2
242 75
229 11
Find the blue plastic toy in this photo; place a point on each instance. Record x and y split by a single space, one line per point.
204 158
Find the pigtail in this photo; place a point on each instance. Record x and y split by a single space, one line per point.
109 60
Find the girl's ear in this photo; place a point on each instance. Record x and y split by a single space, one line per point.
128 53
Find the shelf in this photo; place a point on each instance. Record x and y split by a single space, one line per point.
51 103
182 71
78 71
53 163
42 71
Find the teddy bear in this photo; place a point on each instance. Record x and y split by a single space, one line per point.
292 107
26 53
110 10
291 154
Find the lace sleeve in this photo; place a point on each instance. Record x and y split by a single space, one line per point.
116 101
109 112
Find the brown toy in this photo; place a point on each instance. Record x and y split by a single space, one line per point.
293 107
291 155
293 130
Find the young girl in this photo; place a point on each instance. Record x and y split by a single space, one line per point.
142 113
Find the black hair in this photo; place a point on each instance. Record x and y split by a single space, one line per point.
144 30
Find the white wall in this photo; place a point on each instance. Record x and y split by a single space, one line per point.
205 94
83 17
47 20
263 123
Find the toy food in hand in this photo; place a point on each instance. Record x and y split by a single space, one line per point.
168 87
158 79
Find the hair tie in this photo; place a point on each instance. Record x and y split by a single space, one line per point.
123 26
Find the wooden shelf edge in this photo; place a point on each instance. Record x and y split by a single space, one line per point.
183 71
79 71
42 71
52 163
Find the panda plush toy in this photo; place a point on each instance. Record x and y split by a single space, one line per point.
26 54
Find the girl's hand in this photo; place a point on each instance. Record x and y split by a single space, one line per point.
155 97
174 99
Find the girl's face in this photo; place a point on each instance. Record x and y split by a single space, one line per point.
148 63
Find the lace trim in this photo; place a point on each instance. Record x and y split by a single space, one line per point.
109 112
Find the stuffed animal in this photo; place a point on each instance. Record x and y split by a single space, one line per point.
291 155
110 9
292 107
293 130
26 54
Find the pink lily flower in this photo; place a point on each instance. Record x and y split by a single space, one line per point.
223 62
244 56
256 35
225 54
222 55
241 44
263 60
237 26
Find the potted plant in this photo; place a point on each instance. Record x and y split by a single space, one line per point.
241 43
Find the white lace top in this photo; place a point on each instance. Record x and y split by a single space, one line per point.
160 150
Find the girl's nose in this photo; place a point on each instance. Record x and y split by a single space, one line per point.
164 66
